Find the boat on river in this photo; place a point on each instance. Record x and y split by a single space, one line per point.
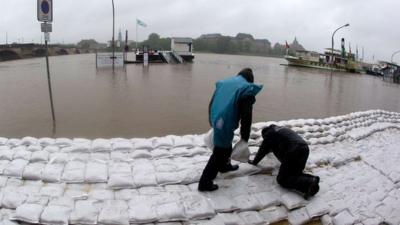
331 60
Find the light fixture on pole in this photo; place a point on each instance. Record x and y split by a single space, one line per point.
394 53
346 25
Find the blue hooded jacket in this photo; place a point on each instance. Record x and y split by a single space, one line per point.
224 113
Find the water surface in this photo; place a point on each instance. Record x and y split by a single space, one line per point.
169 99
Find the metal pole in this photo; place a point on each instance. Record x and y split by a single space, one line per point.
346 25
136 37
6 38
394 53
112 44
49 84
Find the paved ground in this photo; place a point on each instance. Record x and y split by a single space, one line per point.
154 181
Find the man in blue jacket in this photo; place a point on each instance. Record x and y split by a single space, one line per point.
232 102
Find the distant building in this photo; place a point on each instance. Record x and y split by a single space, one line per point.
90 44
205 36
119 42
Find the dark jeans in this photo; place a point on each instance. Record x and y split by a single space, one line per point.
291 174
219 159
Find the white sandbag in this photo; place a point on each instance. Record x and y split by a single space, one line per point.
3 141
241 152
14 182
274 214
198 140
126 194
39 156
76 194
103 156
29 213
160 153
122 146
292 200
119 167
221 203
166 178
85 212
267 199
46 141
114 212
52 190
120 181
52 172
12 199
30 187
74 172
180 151
177 188
59 157
12 142
231 218
142 143
298 216
252 218
163 142
190 175
246 202
6 153
15 168
119 156
101 145
101 194
182 141
63 142
34 148
196 206
165 165
141 210
22 154
33 171
317 208
141 179
51 149
81 140
344 218
37 199
3 181
327 220
55 215
152 190
63 201
198 151
140 154
169 211
96 172
28 141
81 147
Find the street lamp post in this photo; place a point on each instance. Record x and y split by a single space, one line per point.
112 42
346 25
394 53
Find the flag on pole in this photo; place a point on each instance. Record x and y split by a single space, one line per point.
141 23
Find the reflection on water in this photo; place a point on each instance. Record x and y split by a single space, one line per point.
169 99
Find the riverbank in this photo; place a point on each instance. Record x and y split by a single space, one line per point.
122 181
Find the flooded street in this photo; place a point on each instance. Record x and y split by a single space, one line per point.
169 99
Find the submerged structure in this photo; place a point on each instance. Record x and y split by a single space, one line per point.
181 52
154 181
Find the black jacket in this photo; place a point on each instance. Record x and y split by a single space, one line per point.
280 140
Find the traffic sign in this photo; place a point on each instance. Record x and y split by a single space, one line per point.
45 10
46 27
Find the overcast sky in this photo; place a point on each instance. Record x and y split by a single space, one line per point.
373 23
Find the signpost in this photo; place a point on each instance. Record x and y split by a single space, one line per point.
45 15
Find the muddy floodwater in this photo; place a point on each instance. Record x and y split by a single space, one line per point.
169 99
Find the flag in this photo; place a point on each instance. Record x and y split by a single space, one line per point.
286 45
141 23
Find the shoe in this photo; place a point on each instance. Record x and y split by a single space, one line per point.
313 189
211 187
229 168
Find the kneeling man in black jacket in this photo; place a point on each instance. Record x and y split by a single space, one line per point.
292 151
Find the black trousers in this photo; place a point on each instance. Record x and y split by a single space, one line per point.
291 173
219 159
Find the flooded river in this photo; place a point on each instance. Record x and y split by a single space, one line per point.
169 99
